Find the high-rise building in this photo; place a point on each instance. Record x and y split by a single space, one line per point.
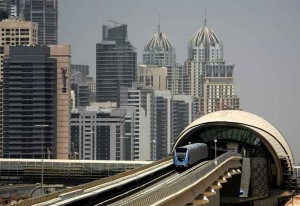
219 89
5 5
204 48
62 54
163 124
14 31
12 7
115 63
159 118
144 129
159 51
29 92
36 92
206 75
182 114
80 68
92 89
99 134
155 77
175 79
81 89
45 13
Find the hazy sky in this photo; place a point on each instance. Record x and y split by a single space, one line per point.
261 38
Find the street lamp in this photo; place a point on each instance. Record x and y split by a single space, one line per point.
42 126
90 133
75 154
215 141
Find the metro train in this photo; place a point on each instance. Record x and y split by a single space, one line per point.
187 155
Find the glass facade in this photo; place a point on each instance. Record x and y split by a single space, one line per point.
45 14
29 91
115 64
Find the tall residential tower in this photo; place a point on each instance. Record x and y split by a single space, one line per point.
45 13
115 63
159 51
206 75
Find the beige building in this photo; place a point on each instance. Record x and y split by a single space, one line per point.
189 79
155 77
219 95
63 55
13 31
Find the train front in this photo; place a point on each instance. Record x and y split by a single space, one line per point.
180 157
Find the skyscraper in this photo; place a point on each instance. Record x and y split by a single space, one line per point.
219 89
29 92
5 5
204 48
12 7
156 77
115 63
45 13
144 130
207 76
36 92
14 31
159 51
62 54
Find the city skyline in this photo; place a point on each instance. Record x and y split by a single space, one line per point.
260 38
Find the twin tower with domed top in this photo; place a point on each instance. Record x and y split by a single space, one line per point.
204 75
204 45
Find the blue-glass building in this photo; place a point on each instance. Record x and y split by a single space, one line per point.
115 63
29 93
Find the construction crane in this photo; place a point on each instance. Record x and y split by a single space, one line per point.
115 22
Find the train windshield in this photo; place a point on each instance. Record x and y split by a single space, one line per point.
180 153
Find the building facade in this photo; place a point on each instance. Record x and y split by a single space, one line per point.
159 118
62 54
155 77
29 93
85 69
115 63
13 32
182 114
12 7
207 76
36 92
45 13
144 130
99 134
159 51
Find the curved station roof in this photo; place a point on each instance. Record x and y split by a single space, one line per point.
241 127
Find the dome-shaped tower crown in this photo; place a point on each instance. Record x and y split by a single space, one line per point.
205 45
159 50
159 41
205 36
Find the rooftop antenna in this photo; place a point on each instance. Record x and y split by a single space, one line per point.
158 23
101 16
205 18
